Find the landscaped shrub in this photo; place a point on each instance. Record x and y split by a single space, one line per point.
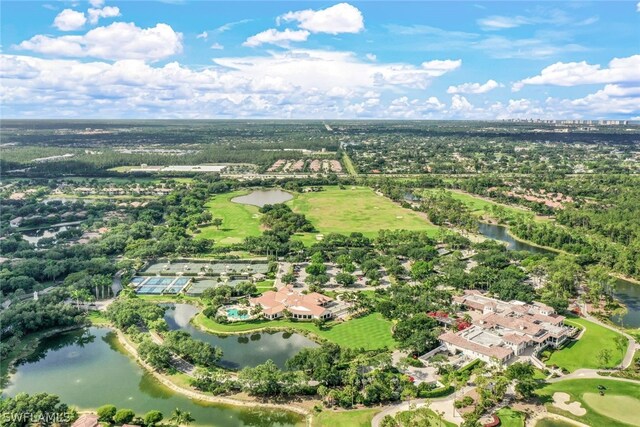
210 312
436 392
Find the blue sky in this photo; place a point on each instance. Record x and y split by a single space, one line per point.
324 60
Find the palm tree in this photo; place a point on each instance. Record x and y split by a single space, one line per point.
181 417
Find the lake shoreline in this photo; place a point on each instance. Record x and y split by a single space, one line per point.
267 329
199 396
516 238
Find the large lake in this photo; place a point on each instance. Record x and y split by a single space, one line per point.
240 350
626 292
87 368
263 197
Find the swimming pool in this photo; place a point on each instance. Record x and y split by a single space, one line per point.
233 313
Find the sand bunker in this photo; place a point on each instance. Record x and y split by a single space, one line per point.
560 401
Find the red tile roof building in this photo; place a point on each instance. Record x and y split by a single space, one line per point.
301 306
503 330
86 420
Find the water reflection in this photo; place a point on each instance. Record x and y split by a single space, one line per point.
501 233
86 369
629 294
245 349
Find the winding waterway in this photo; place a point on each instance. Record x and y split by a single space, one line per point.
240 350
88 368
501 233
626 292
263 197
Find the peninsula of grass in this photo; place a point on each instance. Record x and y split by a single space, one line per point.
356 209
618 407
478 205
97 318
584 353
354 418
369 332
238 220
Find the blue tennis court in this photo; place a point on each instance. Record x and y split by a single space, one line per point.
176 286
159 281
150 289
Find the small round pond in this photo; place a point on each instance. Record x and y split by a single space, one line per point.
240 350
263 197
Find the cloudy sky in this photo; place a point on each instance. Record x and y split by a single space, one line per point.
324 60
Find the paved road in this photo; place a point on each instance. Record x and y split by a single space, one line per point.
116 286
591 374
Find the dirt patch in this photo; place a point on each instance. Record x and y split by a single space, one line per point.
561 401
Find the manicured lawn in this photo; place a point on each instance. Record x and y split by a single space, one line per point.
510 418
238 220
355 418
619 406
97 318
550 422
370 332
584 352
265 285
357 209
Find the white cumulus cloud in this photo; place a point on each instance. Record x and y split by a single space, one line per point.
620 70
217 46
119 40
96 3
279 38
69 20
294 83
340 18
105 12
474 87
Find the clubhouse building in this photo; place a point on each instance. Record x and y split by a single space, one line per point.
301 306
502 331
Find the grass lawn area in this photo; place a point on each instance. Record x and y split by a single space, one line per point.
355 418
265 285
583 353
370 332
348 164
97 318
550 422
171 299
434 419
238 220
619 406
510 418
357 209
477 205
